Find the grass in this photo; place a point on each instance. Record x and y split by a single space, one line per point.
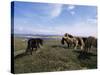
19 44
52 57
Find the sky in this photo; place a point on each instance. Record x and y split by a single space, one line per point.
54 19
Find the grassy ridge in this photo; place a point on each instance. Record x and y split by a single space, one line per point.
53 57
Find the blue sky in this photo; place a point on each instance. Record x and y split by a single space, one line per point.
47 18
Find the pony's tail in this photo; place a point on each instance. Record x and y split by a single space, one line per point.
62 41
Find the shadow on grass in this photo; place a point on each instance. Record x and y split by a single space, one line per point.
84 55
20 55
88 60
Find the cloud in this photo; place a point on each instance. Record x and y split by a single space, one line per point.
56 10
82 28
71 7
91 20
30 22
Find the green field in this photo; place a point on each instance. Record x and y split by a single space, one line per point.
52 56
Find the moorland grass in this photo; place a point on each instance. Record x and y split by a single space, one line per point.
53 57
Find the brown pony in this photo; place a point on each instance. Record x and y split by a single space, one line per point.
68 41
73 41
90 42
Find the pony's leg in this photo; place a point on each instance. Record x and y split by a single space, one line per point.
81 47
88 50
76 45
35 49
31 51
38 45
73 45
68 45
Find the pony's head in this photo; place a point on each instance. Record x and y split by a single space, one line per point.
40 41
62 41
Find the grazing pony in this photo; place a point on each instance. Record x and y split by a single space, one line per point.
90 42
72 41
33 43
80 42
68 41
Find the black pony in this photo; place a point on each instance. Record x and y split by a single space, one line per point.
33 43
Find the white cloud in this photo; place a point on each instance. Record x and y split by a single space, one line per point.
91 20
77 29
71 7
88 27
56 10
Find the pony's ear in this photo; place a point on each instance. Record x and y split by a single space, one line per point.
62 41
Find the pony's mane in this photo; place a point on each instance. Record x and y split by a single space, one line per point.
68 35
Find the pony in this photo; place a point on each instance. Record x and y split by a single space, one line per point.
33 44
68 41
72 41
81 43
90 42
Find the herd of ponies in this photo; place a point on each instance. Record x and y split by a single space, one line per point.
83 43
